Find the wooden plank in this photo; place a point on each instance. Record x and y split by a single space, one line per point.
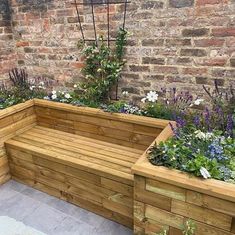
12 129
210 202
117 187
141 195
4 169
204 229
117 207
66 170
83 147
164 217
5 178
151 122
74 153
16 108
204 215
165 189
73 162
80 139
3 160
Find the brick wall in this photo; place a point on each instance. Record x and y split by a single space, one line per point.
7 53
183 43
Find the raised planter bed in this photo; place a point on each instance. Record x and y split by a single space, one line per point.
166 199
81 155
98 160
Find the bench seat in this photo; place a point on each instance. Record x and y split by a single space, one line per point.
93 174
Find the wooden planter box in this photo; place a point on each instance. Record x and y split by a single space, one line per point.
13 121
111 185
166 199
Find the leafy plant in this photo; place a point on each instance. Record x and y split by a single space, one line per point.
202 154
19 78
102 68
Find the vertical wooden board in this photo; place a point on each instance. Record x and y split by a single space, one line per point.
139 213
165 189
164 217
202 214
117 187
210 202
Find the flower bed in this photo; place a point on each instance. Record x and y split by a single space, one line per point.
165 199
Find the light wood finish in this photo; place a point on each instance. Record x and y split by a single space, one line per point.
122 129
13 121
170 197
90 173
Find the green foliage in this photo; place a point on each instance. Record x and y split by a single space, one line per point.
187 229
102 68
202 154
159 110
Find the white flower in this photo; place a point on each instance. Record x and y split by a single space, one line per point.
209 135
125 93
75 85
62 92
54 96
204 172
200 135
53 92
32 87
46 98
41 83
198 101
67 96
143 100
152 96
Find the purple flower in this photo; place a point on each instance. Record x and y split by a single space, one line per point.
230 125
196 120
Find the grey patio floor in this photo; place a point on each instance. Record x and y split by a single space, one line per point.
51 215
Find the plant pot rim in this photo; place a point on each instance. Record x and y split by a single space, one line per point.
212 187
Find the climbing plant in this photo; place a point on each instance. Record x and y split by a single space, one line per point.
102 67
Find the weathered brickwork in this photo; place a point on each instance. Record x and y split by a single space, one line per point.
183 43
7 53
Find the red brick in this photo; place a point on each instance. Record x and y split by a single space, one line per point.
211 2
22 44
223 32
212 42
194 71
77 65
215 62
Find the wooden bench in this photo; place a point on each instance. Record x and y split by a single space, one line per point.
82 155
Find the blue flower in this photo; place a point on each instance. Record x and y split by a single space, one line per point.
225 172
216 151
